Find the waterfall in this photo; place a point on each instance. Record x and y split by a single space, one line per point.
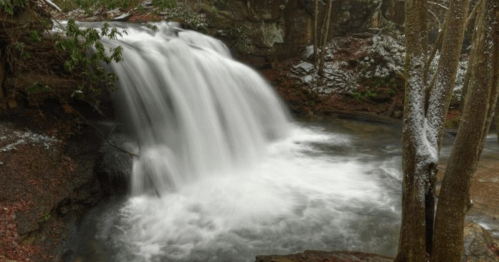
193 110
235 177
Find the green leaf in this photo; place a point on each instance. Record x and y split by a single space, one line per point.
34 36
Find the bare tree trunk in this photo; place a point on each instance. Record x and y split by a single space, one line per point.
316 18
412 233
478 112
440 94
425 111
324 38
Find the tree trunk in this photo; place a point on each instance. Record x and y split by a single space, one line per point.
324 38
425 112
412 233
440 94
316 41
478 112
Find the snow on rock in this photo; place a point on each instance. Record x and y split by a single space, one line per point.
349 61
384 58
10 138
307 79
305 66
309 51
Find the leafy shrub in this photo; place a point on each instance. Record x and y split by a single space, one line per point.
77 43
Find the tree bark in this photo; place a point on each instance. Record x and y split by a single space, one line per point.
324 38
440 94
478 112
412 233
316 41
425 111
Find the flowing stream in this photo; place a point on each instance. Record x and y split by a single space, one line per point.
224 174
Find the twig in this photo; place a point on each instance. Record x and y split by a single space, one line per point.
436 18
473 13
439 5
436 47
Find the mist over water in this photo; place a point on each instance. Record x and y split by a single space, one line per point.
223 175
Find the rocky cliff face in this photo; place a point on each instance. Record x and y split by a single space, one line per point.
46 179
262 32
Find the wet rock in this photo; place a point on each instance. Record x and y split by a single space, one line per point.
319 256
113 166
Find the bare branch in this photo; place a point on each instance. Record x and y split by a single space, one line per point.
439 5
473 13
436 18
436 46
52 5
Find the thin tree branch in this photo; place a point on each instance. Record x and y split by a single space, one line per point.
436 18
439 5
473 13
436 47
52 5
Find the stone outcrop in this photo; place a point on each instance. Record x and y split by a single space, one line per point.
258 32
263 31
46 180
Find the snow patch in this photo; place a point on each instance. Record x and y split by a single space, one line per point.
305 66
25 137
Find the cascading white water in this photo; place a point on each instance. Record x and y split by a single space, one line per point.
235 178
193 109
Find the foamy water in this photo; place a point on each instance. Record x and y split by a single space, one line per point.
298 198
